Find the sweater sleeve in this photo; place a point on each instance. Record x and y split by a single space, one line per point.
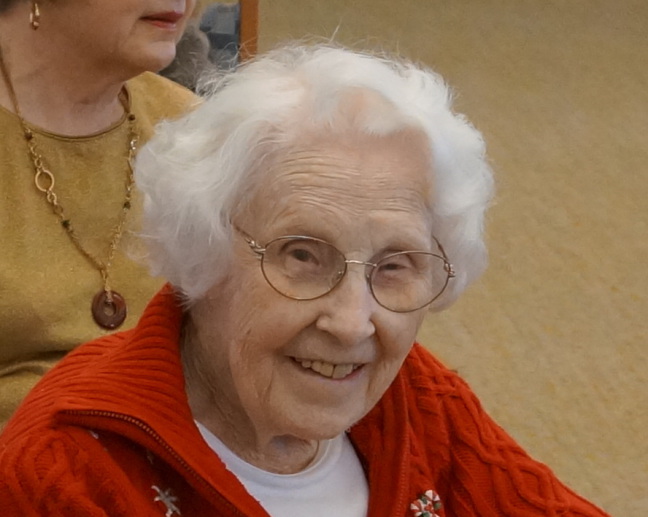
489 474
54 475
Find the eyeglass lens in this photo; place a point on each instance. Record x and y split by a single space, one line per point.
305 268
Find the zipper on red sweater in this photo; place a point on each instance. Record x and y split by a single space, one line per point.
80 414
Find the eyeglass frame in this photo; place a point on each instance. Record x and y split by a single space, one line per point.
260 251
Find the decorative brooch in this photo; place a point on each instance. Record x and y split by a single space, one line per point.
427 505
167 498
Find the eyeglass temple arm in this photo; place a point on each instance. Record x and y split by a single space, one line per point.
448 265
254 245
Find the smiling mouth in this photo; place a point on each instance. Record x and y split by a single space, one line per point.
329 370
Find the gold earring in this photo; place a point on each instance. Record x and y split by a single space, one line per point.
34 15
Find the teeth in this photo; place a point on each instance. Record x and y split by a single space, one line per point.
330 370
325 369
342 370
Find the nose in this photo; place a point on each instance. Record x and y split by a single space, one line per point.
348 311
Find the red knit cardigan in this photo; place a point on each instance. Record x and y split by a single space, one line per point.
108 432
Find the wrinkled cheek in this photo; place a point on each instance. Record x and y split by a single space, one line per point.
253 368
381 381
387 371
405 335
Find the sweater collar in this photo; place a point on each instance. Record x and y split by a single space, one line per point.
143 398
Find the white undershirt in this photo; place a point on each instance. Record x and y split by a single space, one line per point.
334 484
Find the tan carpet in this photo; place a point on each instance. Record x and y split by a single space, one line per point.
554 338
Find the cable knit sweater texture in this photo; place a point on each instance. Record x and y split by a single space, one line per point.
109 432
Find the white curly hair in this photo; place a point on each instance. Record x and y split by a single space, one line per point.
196 172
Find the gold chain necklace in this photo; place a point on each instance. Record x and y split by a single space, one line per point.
108 307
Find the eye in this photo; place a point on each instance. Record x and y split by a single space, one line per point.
301 251
302 259
395 261
391 265
394 266
404 268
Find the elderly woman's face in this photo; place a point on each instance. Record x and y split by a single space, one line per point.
311 369
128 35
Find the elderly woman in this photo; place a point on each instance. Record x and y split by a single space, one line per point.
77 101
308 216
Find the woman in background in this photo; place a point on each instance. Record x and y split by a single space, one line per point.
76 104
192 61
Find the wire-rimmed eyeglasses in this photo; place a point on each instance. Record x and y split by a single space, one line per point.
305 268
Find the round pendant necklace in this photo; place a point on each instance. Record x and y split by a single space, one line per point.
108 307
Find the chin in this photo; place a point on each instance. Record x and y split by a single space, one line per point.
158 57
322 428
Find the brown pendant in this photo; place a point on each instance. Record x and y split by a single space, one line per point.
107 313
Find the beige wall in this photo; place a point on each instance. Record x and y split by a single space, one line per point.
554 338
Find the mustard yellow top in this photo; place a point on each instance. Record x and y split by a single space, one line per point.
46 285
